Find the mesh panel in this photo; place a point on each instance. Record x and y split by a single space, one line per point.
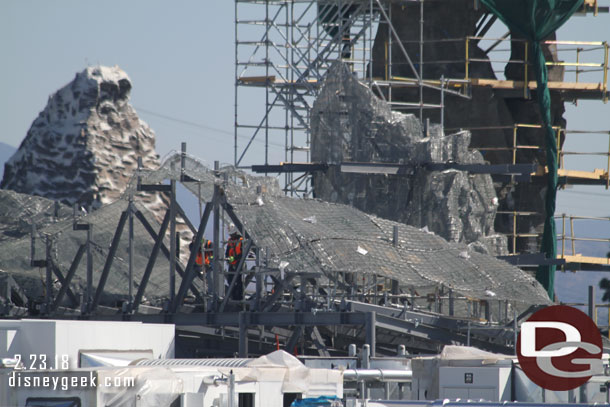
301 235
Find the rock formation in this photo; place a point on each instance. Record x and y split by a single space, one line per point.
349 123
83 147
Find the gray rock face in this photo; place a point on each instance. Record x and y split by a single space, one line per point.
83 147
349 123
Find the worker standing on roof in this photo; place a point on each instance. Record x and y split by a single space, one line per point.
233 254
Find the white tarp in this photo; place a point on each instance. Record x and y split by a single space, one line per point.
454 352
280 366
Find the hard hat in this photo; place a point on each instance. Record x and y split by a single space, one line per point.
233 229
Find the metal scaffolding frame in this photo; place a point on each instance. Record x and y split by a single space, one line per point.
298 41
287 54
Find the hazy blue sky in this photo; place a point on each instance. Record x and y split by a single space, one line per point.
179 56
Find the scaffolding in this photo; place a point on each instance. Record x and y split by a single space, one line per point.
295 43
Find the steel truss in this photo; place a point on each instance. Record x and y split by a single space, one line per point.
306 310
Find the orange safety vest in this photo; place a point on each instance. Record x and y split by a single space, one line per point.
209 253
207 247
234 249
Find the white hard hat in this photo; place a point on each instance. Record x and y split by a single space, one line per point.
233 229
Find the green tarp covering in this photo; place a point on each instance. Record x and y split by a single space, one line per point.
536 20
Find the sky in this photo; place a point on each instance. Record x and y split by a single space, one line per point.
180 58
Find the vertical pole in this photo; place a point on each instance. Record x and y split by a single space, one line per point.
172 243
514 232
259 279
199 195
421 60
131 251
394 282
467 62
525 79
386 61
389 57
451 303
572 236
89 291
515 144
515 329
182 160
231 399
608 165
267 83
371 43
33 242
370 331
578 62
243 335
216 236
235 94
591 302
605 72
49 275
563 235
443 102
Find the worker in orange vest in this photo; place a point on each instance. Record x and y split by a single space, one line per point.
203 261
233 254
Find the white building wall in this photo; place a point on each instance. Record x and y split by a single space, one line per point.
57 338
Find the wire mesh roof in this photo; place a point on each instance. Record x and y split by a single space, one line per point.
299 235
55 222
310 235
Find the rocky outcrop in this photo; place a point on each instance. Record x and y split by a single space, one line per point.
349 123
83 147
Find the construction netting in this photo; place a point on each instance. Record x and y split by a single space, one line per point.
298 236
54 223
313 236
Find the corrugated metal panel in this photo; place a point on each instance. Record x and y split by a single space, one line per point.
195 362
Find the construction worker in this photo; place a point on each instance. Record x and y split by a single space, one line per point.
203 261
233 254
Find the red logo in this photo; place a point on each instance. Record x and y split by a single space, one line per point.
559 348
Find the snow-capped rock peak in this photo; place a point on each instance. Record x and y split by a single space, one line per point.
83 147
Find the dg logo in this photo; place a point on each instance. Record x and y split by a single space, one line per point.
560 348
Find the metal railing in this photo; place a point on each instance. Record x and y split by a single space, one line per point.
561 151
566 235
578 66
572 238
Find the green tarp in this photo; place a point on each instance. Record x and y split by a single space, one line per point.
536 20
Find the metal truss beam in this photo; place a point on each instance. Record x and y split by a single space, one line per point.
166 251
109 259
190 269
151 261
267 319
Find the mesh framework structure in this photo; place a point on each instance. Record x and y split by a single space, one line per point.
344 249
339 242
54 227
312 262
285 48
